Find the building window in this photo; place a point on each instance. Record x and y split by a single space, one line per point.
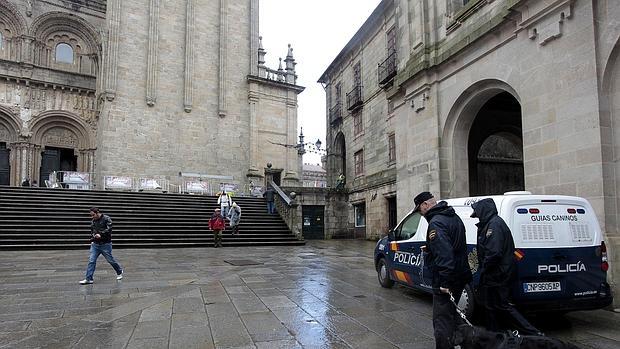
360 215
64 53
357 74
359 163
338 92
358 125
390 107
391 40
392 148
1 41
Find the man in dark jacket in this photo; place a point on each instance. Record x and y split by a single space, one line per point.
446 257
100 243
269 196
497 269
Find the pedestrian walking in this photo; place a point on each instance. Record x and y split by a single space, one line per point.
496 260
224 200
446 256
217 224
234 217
269 196
100 243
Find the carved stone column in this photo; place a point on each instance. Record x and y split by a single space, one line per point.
23 158
189 57
27 48
113 19
152 54
223 57
293 158
253 171
86 160
254 20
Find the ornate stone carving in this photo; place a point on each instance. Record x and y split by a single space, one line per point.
4 134
29 4
152 54
60 137
545 24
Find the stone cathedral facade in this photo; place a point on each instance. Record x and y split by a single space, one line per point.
143 88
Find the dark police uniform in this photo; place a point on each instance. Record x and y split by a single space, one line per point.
447 259
497 269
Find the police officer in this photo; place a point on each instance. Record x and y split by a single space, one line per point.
496 261
446 256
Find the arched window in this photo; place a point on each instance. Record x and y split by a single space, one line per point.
64 53
1 41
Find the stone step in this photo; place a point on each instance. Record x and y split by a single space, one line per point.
46 218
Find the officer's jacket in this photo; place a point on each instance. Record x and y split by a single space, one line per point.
447 247
495 245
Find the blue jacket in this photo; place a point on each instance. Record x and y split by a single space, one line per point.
495 245
447 247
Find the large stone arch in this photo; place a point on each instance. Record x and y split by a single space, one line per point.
62 129
610 138
453 150
54 28
9 125
338 157
11 17
12 27
60 119
9 134
609 102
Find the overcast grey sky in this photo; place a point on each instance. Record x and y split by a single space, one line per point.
317 31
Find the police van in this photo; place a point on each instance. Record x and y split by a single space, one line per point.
559 251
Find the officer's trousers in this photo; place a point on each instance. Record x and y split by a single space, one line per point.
500 314
445 317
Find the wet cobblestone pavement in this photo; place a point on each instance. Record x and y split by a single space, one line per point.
322 295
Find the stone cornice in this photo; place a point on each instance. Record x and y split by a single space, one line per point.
278 84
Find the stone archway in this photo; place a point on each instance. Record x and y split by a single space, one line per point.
63 142
455 148
609 101
339 157
610 138
495 147
9 131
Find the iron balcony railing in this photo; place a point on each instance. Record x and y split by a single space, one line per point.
354 98
335 113
387 69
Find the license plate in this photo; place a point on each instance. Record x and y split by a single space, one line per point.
542 286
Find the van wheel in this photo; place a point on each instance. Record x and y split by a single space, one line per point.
383 274
467 303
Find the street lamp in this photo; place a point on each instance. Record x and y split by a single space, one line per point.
301 146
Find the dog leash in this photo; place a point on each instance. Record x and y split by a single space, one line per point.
458 310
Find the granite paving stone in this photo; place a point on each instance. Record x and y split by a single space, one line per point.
321 295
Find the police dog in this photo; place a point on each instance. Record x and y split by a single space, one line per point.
468 337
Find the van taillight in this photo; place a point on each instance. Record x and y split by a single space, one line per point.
604 264
571 210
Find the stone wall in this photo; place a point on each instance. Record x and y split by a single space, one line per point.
557 59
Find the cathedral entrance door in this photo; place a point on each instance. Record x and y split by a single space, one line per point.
57 159
4 165
495 148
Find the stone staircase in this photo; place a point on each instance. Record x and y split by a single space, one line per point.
41 218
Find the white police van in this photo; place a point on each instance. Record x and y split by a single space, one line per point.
560 254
